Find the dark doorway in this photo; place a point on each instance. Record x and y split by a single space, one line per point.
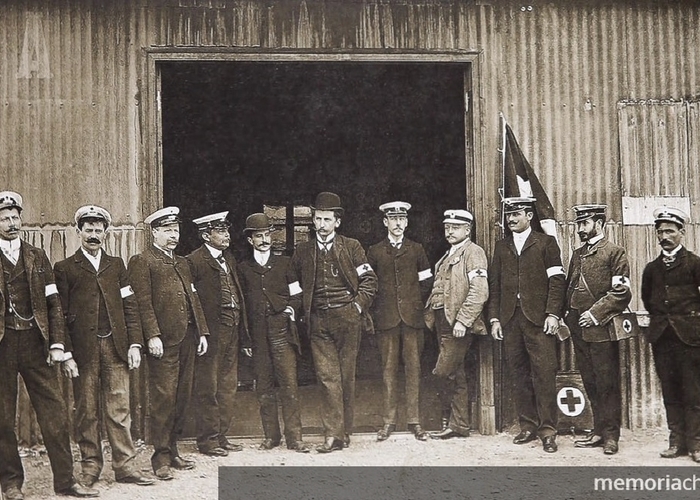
241 136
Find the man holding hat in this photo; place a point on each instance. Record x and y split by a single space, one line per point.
331 281
670 293
527 289
102 318
453 310
598 288
32 342
215 276
275 339
175 329
404 279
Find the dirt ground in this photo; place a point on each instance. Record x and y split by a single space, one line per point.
639 448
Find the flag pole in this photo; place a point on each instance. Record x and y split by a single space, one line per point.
501 190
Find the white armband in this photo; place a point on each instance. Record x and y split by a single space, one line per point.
554 271
364 268
294 288
425 274
126 291
50 289
621 280
477 273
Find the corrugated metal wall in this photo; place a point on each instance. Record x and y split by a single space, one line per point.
72 124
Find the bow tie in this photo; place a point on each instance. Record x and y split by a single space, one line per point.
220 259
396 245
668 259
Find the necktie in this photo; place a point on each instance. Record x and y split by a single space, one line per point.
396 245
326 246
220 259
668 259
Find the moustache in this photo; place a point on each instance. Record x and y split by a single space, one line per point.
93 240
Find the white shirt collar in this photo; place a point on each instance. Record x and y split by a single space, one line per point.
595 239
395 242
261 257
11 245
215 252
520 238
166 252
672 252
95 261
328 241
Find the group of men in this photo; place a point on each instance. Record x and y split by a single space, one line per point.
93 316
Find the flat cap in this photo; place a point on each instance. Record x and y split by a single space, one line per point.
395 208
457 216
516 204
163 217
10 199
584 212
92 212
211 221
671 214
257 222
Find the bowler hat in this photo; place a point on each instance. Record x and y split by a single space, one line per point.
327 201
257 222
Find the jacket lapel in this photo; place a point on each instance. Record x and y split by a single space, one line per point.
84 263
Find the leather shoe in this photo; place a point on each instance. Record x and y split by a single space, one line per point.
418 432
216 451
299 447
88 480
268 444
524 437
231 446
695 455
447 434
137 478
329 445
610 447
549 444
346 441
78 490
590 440
164 473
180 463
13 493
673 451
385 432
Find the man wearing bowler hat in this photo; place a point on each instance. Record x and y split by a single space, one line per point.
174 328
32 342
102 318
670 292
275 339
404 279
598 288
215 276
527 289
333 285
454 310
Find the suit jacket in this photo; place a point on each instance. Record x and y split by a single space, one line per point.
79 287
404 280
263 285
164 290
467 290
606 272
205 275
671 296
46 305
354 269
536 274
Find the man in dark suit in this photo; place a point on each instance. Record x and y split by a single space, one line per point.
404 279
215 276
32 342
598 288
175 328
275 340
103 323
333 284
454 310
670 292
527 289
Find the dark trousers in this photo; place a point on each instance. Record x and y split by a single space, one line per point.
408 342
599 364
170 387
454 392
678 367
22 352
215 386
274 360
104 381
531 356
335 341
